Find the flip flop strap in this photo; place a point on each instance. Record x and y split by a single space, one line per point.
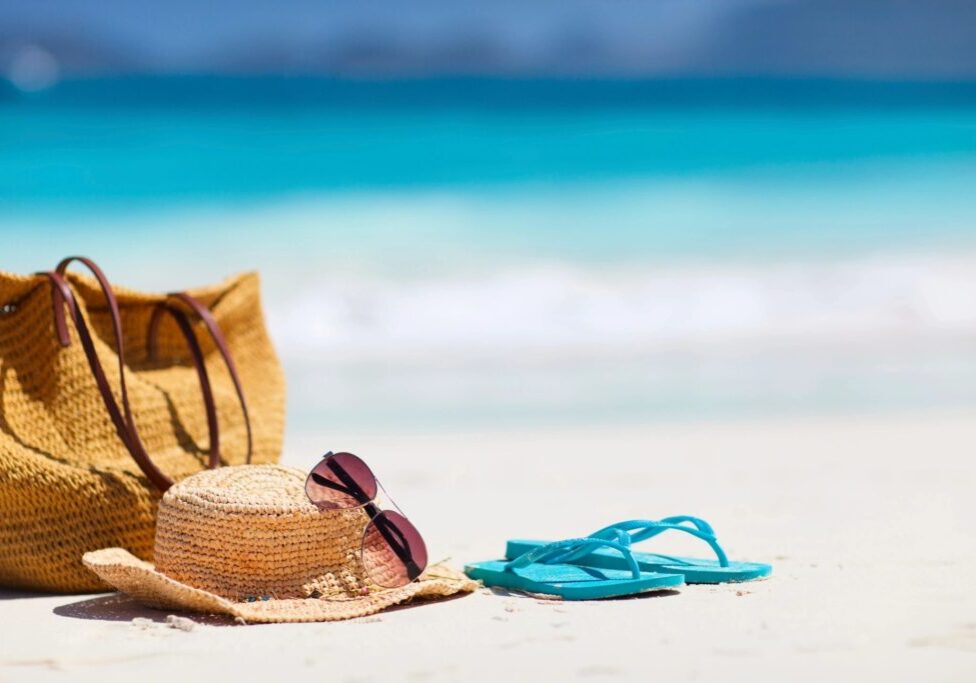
552 552
643 529
637 530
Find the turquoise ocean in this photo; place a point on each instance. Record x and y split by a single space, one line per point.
490 253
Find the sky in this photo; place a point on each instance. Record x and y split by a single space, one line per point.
895 39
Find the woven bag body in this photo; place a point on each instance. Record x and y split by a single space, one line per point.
68 482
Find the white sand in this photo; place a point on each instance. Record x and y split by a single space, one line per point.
870 523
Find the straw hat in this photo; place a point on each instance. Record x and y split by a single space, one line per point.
245 541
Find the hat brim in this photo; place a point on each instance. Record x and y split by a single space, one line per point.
128 574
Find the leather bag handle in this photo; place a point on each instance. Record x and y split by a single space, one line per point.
191 341
213 328
63 297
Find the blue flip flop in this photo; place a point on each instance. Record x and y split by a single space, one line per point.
626 533
534 572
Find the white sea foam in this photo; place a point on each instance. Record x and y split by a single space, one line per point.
398 274
557 308
565 343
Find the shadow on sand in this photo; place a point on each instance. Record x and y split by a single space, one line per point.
118 607
540 597
14 594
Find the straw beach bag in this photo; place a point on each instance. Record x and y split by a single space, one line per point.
108 396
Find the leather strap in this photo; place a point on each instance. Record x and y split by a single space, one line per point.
220 342
63 297
197 355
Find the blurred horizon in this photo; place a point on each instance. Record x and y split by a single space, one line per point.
41 43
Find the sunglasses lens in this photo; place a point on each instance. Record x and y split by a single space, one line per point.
341 480
394 553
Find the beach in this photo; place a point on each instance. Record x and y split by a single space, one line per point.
537 307
867 519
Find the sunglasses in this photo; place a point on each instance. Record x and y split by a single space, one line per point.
393 552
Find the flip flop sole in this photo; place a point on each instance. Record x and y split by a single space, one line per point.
694 570
571 582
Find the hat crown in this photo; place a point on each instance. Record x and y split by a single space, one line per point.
250 532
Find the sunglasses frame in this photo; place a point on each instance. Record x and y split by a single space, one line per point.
377 516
